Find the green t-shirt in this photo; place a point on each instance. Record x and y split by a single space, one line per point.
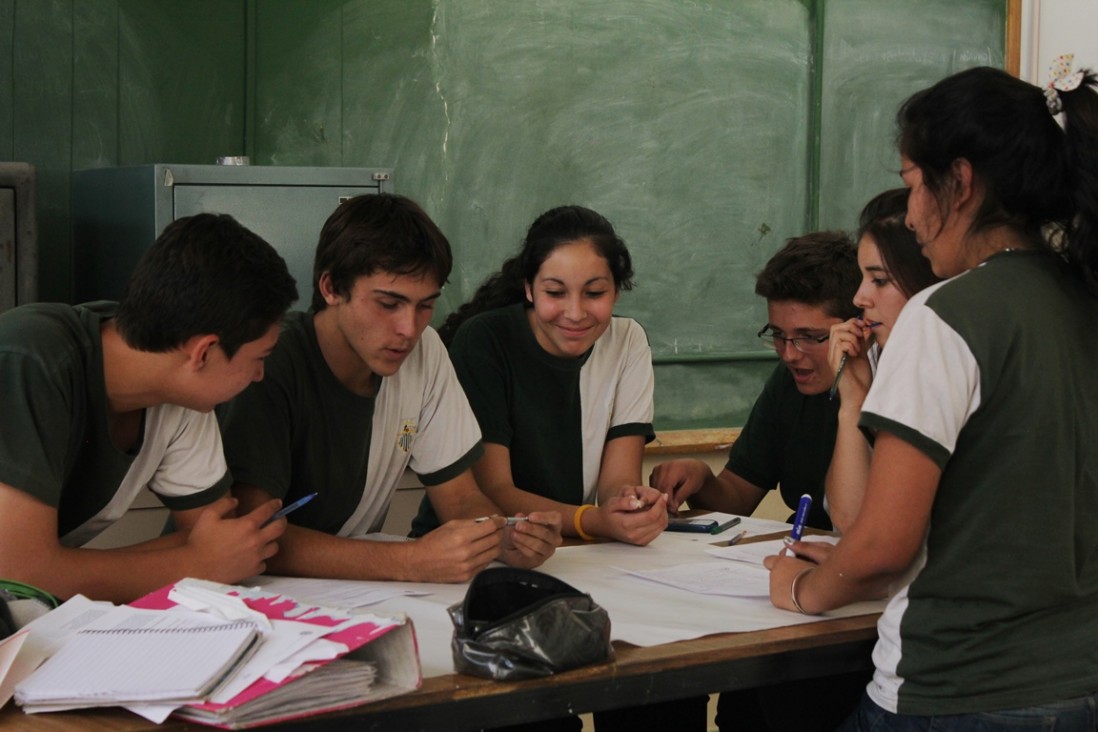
991 374
555 415
787 442
55 442
300 430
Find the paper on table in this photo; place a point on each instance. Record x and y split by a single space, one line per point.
26 650
385 643
335 593
12 670
711 578
755 553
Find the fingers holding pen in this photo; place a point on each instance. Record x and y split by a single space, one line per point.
637 515
846 341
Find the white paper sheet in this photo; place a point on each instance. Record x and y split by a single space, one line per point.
755 553
706 578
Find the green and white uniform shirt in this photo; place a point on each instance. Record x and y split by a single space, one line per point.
555 415
55 439
300 430
991 375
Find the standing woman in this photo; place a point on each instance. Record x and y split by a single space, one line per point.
561 388
981 513
893 269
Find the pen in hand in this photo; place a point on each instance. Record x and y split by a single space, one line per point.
838 375
511 520
842 364
800 519
292 507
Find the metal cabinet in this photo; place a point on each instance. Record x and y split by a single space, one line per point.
18 235
119 212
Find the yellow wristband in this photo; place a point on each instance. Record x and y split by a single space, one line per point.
577 522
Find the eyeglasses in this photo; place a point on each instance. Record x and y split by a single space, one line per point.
804 343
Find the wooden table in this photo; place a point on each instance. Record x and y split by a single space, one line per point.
684 442
637 676
453 702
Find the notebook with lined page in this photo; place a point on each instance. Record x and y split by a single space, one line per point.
106 667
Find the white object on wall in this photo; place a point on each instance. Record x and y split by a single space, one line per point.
1052 27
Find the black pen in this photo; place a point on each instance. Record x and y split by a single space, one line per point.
725 526
842 364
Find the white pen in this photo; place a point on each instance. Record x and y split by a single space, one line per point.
511 520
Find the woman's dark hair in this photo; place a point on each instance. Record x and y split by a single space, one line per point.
1037 178
883 220
554 228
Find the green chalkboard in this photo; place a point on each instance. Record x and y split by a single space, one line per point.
876 53
707 132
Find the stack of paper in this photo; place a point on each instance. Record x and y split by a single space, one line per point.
225 655
314 658
339 684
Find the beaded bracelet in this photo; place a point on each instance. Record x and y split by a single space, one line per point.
793 589
577 523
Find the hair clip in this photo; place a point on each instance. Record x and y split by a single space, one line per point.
1061 78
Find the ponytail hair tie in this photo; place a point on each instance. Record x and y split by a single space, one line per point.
1061 79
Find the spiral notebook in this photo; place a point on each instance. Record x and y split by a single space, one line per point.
113 666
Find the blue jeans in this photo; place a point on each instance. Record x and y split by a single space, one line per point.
1069 715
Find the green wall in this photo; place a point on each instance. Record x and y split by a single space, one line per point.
708 132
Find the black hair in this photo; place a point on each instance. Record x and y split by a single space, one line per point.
378 232
554 228
883 220
818 269
1037 178
205 274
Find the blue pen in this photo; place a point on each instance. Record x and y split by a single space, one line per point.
292 507
799 519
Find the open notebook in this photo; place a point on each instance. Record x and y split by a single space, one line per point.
114 666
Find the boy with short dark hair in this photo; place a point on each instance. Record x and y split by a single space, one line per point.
789 436
358 390
786 443
102 400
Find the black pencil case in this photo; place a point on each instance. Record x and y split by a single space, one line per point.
522 624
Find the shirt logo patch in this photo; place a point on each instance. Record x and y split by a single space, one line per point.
407 435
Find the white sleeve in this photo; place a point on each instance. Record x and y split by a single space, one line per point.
927 383
191 456
448 429
633 401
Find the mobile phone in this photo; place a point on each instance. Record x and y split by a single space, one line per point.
697 525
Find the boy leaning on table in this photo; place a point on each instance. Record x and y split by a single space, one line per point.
358 389
786 443
103 399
